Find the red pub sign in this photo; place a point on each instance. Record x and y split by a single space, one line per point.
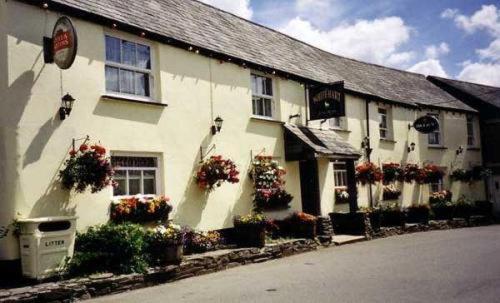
64 43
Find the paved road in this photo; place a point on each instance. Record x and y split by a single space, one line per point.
443 266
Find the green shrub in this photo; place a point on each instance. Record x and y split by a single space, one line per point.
109 248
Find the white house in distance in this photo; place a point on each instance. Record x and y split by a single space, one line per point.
149 79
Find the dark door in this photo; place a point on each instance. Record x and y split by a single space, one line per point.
309 187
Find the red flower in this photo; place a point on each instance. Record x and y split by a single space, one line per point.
84 147
73 153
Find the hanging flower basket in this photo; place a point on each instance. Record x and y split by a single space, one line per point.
140 209
368 173
392 172
431 174
87 167
215 171
412 173
460 175
269 182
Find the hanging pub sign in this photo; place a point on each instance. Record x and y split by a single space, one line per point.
327 101
64 43
426 124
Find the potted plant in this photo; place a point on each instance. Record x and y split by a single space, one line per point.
141 209
265 199
418 214
87 167
463 208
302 225
215 171
390 192
391 215
441 205
164 245
200 241
392 172
251 230
368 173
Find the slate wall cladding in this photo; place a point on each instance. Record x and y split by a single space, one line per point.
106 284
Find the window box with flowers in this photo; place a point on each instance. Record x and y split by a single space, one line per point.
87 167
368 173
141 209
251 230
164 245
214 171
268 178
390 192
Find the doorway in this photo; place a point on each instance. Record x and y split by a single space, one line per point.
309 187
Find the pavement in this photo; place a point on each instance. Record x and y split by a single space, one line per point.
461 265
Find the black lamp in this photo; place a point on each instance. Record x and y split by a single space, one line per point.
66 106
411 147
217 126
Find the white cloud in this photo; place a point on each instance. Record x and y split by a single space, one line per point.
484 73
318 12
492 52
435 51
377 41
429 67
487 18
238 7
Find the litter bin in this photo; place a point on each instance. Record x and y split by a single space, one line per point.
45 244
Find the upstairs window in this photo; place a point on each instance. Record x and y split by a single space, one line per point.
128 68
435 137
135 175
471 140
262 96
340 175
383 117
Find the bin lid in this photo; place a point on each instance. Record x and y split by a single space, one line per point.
47 219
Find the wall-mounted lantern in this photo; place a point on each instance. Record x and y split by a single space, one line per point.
411 147
66 106
217 125
365 144
460 150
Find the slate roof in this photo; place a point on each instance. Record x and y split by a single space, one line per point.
324 142
206 27
485 93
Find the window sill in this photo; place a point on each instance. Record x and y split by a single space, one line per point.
340 130
266 119
388 140
437 147
133 100
474 148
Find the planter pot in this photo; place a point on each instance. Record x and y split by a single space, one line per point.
349 223
392 218
375 220
418 215
251 235
173 254
442 212
305 230
462 211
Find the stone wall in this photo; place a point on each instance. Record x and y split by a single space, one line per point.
106 284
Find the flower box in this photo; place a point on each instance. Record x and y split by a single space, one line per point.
251 235
442 211
141 209
173 254
392 217
418 214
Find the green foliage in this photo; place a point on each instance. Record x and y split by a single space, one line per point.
109 248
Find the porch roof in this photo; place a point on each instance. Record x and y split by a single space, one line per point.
323 142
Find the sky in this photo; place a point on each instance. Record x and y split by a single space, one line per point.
458 39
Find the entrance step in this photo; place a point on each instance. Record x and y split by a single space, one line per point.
347 239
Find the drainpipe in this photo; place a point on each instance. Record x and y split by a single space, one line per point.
368 146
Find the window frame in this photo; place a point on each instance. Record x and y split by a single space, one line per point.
149 72
471 135
385 129
157 170
340 174
439 131
271 98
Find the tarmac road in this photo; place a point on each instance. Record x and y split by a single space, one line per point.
461 265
